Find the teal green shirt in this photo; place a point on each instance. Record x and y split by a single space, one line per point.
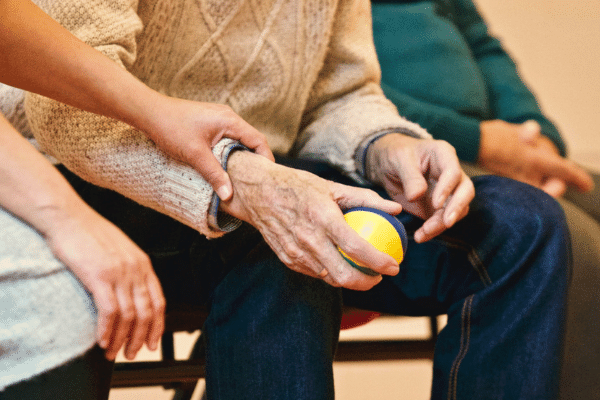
444 71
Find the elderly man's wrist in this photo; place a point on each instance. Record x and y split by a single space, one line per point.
371 161
218 217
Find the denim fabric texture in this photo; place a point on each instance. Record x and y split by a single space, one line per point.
501 275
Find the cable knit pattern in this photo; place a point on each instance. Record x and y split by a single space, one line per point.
303 72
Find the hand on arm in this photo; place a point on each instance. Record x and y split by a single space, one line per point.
119 275
41 56
300 217
520 152
424 176
187 131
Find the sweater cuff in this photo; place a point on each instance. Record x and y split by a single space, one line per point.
218 220
360 156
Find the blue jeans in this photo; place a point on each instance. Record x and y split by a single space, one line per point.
501 275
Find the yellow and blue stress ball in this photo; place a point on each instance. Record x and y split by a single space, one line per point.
384 231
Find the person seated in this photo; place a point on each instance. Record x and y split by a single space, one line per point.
74 288
442 69
306 76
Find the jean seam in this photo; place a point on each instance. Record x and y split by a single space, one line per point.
479 267
472 256
464 347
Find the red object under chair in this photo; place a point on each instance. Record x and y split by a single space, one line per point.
353 318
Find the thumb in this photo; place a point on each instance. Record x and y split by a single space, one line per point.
211 170
530 131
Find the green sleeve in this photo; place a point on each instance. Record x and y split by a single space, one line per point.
441 122
510 99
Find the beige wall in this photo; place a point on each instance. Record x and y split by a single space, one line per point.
556 44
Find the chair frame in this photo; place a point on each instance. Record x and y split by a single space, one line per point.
183 375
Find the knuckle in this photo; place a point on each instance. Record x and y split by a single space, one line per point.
143 259
292 251
144 316
127 314
160 305
308 241
352 247
109 311
445 146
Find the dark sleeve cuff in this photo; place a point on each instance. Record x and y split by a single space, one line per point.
219 220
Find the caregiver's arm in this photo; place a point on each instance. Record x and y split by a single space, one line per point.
41 56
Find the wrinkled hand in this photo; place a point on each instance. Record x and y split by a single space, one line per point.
119 275
187 131
521 152
300 218
425 177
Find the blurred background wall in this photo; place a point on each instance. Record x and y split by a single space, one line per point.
556 44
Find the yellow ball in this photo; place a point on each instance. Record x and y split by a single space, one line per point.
382 230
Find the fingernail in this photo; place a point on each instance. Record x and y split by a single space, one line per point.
451 219
224 192
419 235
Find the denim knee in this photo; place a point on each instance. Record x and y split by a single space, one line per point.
529 222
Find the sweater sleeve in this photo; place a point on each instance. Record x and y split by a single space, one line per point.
347 106
510 99
112 154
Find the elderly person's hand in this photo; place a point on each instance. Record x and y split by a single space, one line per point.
300 217
425 177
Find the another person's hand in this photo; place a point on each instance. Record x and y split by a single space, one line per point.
187 131
425 177
521 152
126 291
300 217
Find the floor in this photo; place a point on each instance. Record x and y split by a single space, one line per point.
556 45
406 380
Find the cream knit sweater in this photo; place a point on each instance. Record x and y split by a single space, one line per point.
303 72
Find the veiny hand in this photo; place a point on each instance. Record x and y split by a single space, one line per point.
425 177
187 131
521 152
119 275
299 216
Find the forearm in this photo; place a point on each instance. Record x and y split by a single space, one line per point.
111 154
30 187
41 56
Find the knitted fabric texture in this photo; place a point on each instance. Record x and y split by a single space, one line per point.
48 317
303 72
